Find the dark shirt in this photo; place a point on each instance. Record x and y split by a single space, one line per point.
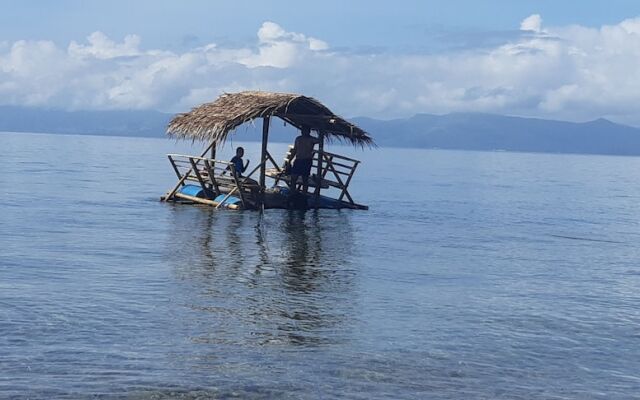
239 164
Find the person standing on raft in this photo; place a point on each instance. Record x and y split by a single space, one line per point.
303 153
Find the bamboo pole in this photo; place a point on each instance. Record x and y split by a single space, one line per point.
275 164
238 185
213 153
194 167
319 169
224 199
342 185
263 158
346 185
212 178
205 201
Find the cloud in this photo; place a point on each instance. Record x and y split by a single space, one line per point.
100 46
281 49
569 72
532 23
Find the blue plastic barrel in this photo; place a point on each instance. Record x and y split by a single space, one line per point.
193 190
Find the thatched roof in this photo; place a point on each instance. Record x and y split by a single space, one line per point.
214 121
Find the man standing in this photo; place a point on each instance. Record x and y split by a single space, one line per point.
303 152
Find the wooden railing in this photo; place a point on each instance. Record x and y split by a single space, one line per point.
215 177
336 171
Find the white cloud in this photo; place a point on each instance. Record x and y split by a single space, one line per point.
100 46
570 72
532 23
281 49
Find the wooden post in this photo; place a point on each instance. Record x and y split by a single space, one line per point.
346 184
175 168
319 170
263 158
213 153
212 177
238 186
204 153
194 168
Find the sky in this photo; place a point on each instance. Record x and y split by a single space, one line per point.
569 60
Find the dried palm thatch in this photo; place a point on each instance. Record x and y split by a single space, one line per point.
212 122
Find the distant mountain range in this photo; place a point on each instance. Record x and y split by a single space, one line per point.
470 131
463 131
107 123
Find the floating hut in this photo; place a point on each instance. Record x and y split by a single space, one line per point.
203 179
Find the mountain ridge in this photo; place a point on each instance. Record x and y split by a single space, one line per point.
455 131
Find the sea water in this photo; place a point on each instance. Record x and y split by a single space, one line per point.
472 275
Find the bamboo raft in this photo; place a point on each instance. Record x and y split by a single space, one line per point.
206 180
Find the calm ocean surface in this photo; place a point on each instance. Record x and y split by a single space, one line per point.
472 276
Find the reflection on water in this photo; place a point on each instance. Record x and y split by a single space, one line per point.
275 278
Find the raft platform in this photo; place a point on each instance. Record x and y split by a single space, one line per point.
206 180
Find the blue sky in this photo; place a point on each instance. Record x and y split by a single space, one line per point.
573 60
355 23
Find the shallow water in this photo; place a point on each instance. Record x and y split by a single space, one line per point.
473 275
